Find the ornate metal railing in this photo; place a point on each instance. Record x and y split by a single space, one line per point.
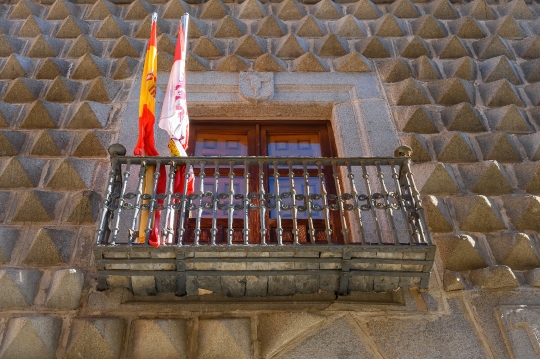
258 201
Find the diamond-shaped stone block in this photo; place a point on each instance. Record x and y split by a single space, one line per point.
516 251
499 147
42 114
37 206
460 253
168 337
494 277
8 238
84 208
462 117
435 178
486 178
18 287
23 90
229 338
523 211
406 93
477 214
21 172
50 143
454 147
65 289
50 247
31 337
438 218
415 119
95 337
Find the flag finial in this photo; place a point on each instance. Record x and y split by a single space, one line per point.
154 16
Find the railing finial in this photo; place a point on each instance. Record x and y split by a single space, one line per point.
403 151
116 149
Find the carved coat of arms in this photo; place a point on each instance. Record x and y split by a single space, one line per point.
256 86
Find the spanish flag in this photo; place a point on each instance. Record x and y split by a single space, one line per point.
146 144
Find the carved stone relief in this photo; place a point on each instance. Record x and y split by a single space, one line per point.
256 86
521 328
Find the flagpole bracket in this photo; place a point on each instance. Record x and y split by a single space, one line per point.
117 149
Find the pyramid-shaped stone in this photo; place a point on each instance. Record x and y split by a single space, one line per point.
464 68
16 66
452 91
290 10
517 9
11 143
365 10
7 114
138 10
533 93
71 28
435 178
528 48
143 30
174 9
523 212
196 28
394 70
531 70
310 26
34 26
462 117
499 93
65 289
327 10
124 68
101 9
127 46
438 219
19 289
169 337
477 214
451 47
50 143
197 63
499 147
349 27
89 115
252 9
250 46
232 63
91 145
453 281
42 114
386 26
374 47
478 9
332 45
105 335
50 247
234 332
419 147
9 45
166 43
85 45
61 9
84 208
25 8
454 147
506 27
8 237
531 143
508 119
271 26
291 47
213 10
230 27
269 63
68 175
425 69
442 9
466 28
164 61
62 90
460 253
309 62
207 47
112 28
428 27
45 46
412 48
23 90
406 93
103 89
492 46
416 119
21 172
486 178
516 251
403 9
89 67
528 176
51 68
353 62
37 207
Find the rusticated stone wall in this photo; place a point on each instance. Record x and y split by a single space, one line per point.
456 81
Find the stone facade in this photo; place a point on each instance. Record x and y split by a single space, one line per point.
458 81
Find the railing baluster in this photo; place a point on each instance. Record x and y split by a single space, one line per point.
168 231
420 218
337 181
150 223
121 202
309 203
215 208
107 202
202 175
277 201
293 203
133 232
384 191
230 230
371 203
246 203
357 209
401 202
262 203
183 200
326 209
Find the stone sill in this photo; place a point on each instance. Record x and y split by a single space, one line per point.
261 271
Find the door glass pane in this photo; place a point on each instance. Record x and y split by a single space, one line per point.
297 145
217 144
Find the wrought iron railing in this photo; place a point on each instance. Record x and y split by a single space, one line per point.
258 201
